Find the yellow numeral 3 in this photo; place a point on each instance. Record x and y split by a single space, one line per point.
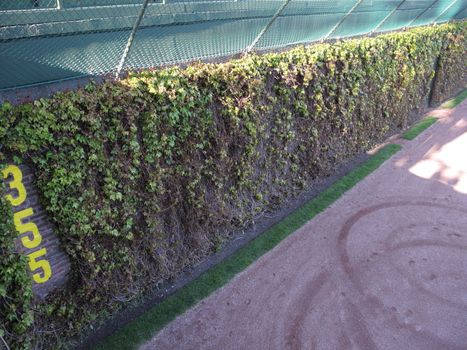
15 184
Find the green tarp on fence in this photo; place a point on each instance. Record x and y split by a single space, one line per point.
43 41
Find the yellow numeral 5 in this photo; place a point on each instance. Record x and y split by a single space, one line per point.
35 265
35 238
15 184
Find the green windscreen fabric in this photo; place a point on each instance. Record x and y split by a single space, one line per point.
43 41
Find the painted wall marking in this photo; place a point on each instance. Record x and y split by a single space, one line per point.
48 265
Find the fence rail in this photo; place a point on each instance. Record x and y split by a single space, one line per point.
43 41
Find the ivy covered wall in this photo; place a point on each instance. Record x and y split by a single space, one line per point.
144 177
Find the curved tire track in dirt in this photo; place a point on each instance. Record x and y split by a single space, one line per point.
418 288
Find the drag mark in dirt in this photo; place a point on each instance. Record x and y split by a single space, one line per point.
301 309
419 304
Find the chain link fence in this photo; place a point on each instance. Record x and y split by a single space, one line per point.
44 41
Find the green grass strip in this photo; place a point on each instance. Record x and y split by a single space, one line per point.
455 101
145 327
418 128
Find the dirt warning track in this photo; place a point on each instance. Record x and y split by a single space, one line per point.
385 267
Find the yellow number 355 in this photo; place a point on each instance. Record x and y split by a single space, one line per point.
31 236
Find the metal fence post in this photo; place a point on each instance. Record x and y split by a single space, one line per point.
338 24
130 39
421 14
387 17
265 29
444 11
